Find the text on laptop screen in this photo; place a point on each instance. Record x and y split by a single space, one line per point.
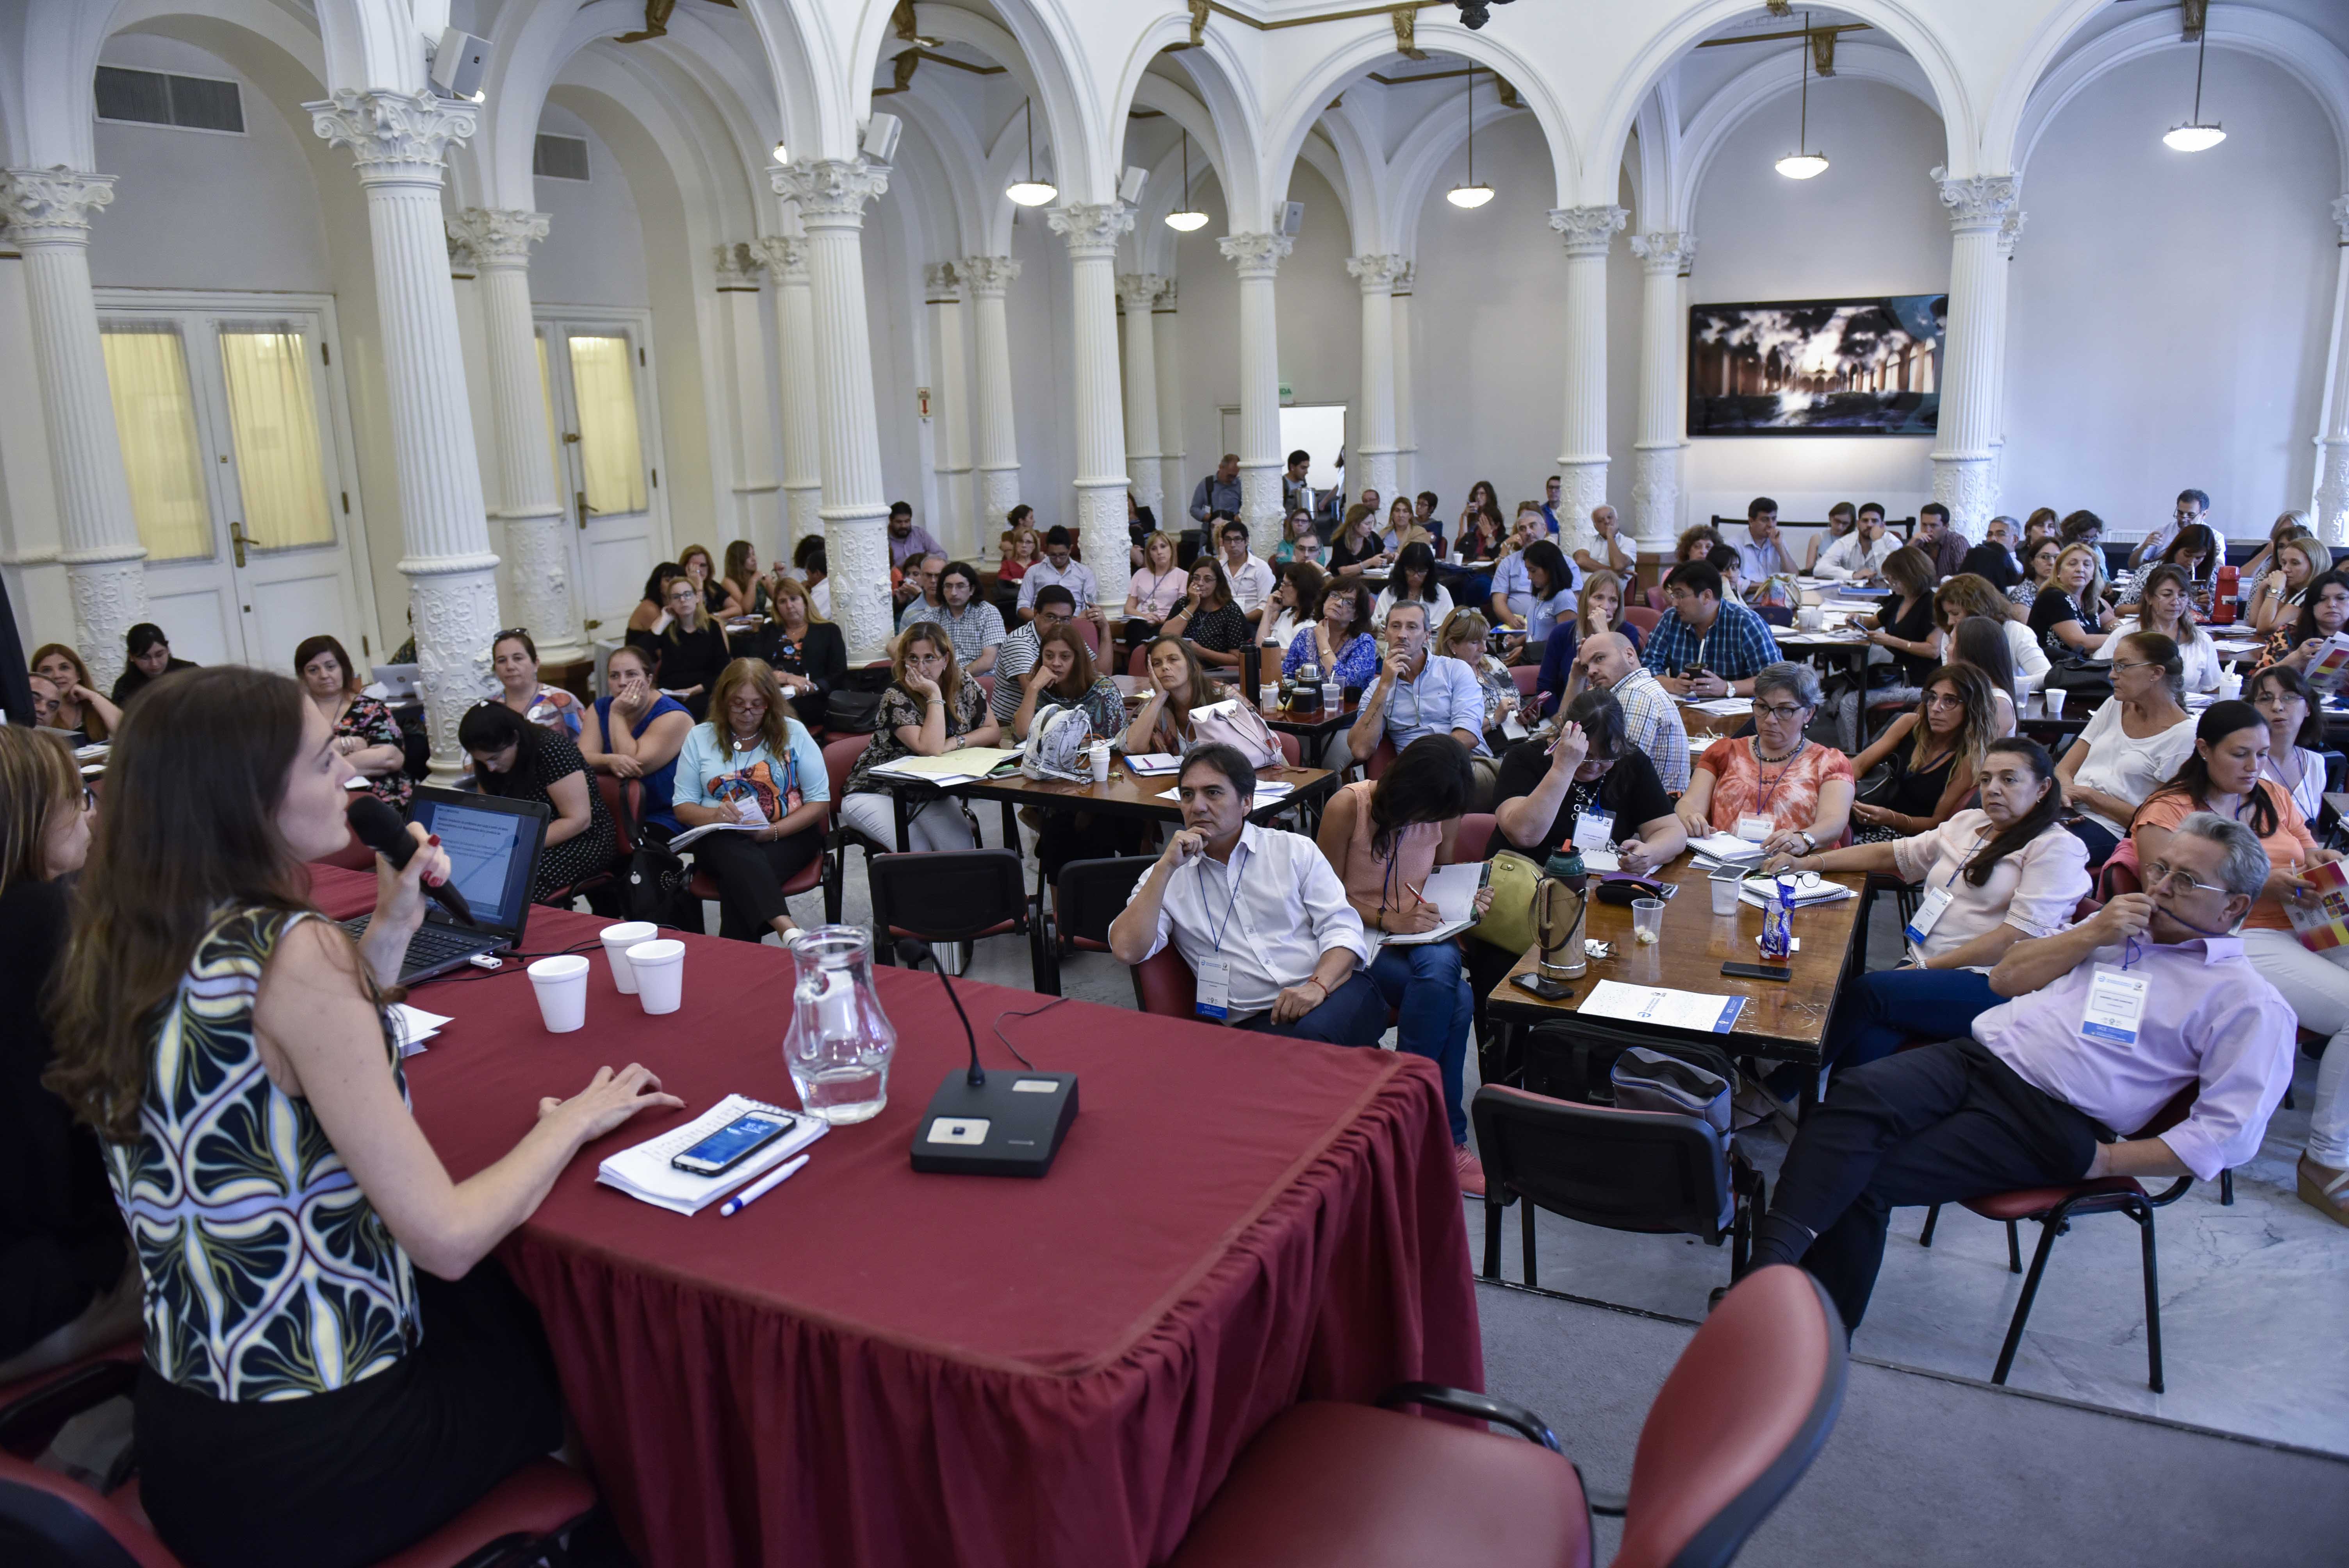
483 846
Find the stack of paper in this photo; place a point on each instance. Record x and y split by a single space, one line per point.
1153 764
411 1027
1755 892
1452 890
1662 1006
1718 849
965 765
1266 790
645 1171
1728 707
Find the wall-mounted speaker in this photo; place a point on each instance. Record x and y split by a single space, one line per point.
1292 217
880 138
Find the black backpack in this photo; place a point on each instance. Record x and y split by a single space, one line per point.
1576 1061
659 886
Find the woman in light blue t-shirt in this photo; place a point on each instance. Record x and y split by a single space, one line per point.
755 768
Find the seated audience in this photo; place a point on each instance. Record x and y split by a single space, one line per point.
1611 553
2287 525
1929 754
150 657
1021 516
1209 618
1983 643
1064 678
1292 604
1762 553
746 591
654 606
1022 548
1404 528
518 760
2166 604
2295 736
691 647
514 659
1462 636
2041 524
1358 549
2223 776
2082 528
2298 638
1414 577
1589 768
1483 538
1340 642
928 710
1944 546
1696 543
818 571
922 602
1776 788
1297 540
1994 560
1966 594
2198 555
637 733
430 1380
1016 656
1707 645
2139 737
702 568
1152 592
2070 616
2193 511
62 1249
1610 662
976 626
2028 1098
1992 877
1841 520
80 710
1257 914
1178 683
1248 576
1902 633
1483 502
365 735
753 764
811 656
1383 839
1421 692
1598 608
2039 557
1858 555
1059 568
1532 587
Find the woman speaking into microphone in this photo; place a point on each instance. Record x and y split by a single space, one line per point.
333 1369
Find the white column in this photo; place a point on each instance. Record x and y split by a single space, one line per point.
787 258
1092 229
1138 293
998 477
2333 443
1373 462
832 193
1582 465
1663 390
398 140
2009 234
47 213
1973 361
530 501
1166 334
750 423
1406 430
1257 257
951 406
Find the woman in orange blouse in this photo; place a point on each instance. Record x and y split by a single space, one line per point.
1776 788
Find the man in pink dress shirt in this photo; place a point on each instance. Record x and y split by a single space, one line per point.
2107 1021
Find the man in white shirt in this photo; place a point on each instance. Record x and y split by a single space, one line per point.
1058 569
1258 915
1760 555
1618 557
1858 555
2193 507
1250 576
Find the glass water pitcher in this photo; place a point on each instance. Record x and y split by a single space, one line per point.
840 1041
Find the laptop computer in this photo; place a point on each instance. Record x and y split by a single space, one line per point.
399 681
493 846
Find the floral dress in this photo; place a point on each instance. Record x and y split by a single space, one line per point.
369 720
1787 793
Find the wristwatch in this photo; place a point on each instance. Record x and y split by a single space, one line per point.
1810 844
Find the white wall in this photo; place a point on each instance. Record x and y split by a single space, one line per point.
2145 354
1037 313
1872 224
590 254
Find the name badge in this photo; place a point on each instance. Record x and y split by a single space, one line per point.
1927 915
2115 1006
1754 830
1593 829
1214 985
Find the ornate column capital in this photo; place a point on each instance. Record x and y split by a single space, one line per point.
1980 200
1139 291
1168 288
393 137
1091 228
52 206
942 281
497 237
2010 230
2341 217
1588 230
988 276
784 255
1256 255
737 266
1377 275
832 192
1666 251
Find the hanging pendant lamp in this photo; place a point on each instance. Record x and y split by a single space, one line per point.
1189 217
2194 136
1031 191
1801 163
1470 195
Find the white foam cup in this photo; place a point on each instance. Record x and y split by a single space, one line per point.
2053 701
1101 761
561 986
617 940
659 968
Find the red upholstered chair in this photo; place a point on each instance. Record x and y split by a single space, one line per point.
1658 601
1090 634
1290 747
2121 873
816 874
1137 663
1748 1408
1164 985
1086 897
1474 837
33 1408
1377 763
1524 675
839 759
2055 1208
1643 616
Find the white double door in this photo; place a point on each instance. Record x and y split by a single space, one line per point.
596 372
236 434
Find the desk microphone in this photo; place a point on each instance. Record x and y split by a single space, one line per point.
1009 1126
378 826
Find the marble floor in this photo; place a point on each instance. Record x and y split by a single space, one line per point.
2254 1296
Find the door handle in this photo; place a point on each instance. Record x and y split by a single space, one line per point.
237 542
579 500
570 437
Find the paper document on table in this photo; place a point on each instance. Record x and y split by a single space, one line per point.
1452 890
1153 764
956 767
1719 846
1824 892
1662 1006
1266 790
645 1171
694 835
411 1027
1727 707
1513 726
1606 862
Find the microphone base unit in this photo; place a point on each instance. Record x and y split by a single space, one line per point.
1011 1125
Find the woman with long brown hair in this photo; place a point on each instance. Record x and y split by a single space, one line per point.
752 764
230 1045
81 709
1179 683
1933 772
929 710
365 732
746 592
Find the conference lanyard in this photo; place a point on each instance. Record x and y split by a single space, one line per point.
1231 871
1762 807
1936 899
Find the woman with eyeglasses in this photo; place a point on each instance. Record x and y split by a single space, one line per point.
62 1249
514 659
1297 540
2166 604
365 732
2324 610
752 764
518 760
1933 753
691 646
2137 739
1342 642
2295 736
930 709
1992 876
1776 788
2223 774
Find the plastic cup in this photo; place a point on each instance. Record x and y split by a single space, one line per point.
1268 696
2054 702
659 968
1101 761
1725 895
1647 921
561 985
617 940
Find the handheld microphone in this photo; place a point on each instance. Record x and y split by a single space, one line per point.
378 826
1009 1126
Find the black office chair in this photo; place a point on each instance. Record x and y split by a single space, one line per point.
1085 898
948 895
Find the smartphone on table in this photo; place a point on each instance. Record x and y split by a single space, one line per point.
733 1143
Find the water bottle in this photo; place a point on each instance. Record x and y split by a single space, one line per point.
1777 933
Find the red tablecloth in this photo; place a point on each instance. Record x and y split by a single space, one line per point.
873 1367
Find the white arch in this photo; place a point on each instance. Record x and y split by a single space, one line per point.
1036 43
1422 160
2304 55
1226 87
1347 154
1152 244
1324 159
949 138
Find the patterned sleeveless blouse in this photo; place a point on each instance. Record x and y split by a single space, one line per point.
269 1275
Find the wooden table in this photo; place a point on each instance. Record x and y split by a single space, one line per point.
1780 1018
1307 726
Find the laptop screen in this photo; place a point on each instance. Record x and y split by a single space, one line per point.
489 854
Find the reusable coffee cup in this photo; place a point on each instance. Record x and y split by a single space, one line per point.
1101 761
617 940
561 986
660 967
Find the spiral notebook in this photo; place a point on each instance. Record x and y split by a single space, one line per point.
644 1171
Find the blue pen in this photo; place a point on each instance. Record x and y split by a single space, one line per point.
761 1187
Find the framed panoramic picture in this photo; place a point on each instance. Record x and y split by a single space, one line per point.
1818 367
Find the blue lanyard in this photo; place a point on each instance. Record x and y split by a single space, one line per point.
1232 871
1762 807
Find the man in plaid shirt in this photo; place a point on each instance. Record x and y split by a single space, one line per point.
1708 644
